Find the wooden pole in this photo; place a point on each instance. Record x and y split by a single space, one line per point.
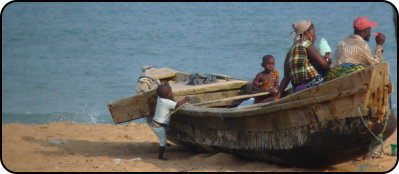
233 98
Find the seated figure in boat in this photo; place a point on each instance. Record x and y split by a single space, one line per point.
165 105
267 80
325 51
353 53
302 61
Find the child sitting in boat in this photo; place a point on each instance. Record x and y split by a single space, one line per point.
165 105
267 80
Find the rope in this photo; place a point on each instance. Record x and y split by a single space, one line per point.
374 144
148 78
143 70
365 125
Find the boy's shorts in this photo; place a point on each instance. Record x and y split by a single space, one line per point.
161 133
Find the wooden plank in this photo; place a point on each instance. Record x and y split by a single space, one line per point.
377 94
233 98
133 107
205 97
160 73
142 105
221 76
183 89
224 99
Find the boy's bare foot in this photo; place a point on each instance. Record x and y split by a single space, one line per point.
163 158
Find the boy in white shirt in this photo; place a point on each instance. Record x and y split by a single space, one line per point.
165 105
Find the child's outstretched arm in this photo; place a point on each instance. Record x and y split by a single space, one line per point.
185 100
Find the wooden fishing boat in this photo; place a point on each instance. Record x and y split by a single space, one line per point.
144 103
320 126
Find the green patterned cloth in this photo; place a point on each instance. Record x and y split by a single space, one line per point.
343 69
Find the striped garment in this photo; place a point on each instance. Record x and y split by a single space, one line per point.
301 70
355 50
343 69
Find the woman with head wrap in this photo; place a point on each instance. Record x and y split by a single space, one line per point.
302 60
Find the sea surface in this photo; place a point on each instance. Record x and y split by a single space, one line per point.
65 61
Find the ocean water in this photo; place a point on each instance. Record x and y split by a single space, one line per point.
65 61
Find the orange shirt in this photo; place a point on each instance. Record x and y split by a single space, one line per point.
272 80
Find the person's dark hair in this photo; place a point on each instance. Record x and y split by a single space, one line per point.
267 57
162 90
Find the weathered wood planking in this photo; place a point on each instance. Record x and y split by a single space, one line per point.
209 96
160 73
133 107
323 122
180 89
142 105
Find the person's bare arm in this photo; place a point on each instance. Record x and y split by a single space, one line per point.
380 40
317 60
276 82
256 83
283 84
186 99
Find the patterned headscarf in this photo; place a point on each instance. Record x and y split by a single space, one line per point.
300 27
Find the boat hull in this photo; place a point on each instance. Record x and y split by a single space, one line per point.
318 144
317 127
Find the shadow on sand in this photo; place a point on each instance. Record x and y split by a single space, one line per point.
147 151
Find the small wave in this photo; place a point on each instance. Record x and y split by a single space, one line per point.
42 118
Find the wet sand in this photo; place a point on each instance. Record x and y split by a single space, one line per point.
70 147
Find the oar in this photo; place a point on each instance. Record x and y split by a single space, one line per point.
175 110
222 100
233 98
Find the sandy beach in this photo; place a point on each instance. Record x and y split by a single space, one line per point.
70 147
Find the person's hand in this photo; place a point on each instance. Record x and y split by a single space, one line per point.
269 99
187 98
256 83
273 90
259 84
380 39
329 60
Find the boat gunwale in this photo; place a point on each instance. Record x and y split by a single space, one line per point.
263 108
